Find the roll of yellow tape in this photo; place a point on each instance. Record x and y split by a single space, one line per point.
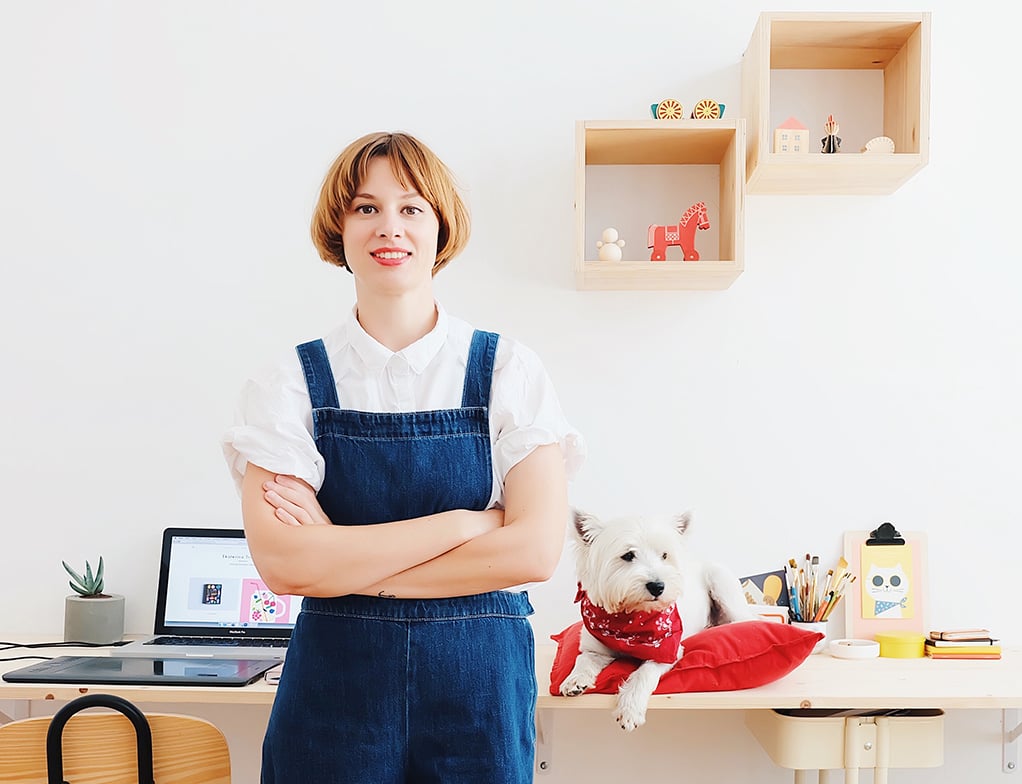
901 645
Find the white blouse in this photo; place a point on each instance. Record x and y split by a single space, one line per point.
273 424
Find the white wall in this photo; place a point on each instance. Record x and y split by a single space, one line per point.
159 164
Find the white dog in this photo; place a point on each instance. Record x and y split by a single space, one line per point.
642 592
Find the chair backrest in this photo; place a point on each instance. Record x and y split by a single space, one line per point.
99 748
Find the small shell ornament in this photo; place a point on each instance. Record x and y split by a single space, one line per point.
879 144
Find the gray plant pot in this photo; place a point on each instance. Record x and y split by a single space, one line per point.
97 619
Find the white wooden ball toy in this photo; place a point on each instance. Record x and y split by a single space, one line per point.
610 246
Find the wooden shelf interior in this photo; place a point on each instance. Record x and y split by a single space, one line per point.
843 42
677 157
669 142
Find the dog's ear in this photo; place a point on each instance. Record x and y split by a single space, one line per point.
585 526
682 521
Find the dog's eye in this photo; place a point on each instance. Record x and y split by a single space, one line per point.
629 556
664 556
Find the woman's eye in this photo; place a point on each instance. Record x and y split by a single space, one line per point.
629 556
413 210
365 209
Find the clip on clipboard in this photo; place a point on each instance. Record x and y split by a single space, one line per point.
889 592
886 534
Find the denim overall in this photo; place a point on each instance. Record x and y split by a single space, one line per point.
388 691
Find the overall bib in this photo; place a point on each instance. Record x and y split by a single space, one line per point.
396 691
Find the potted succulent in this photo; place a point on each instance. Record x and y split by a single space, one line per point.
89 614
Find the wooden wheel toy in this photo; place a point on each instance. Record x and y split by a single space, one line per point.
706 110
669 109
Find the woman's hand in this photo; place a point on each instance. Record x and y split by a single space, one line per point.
294 501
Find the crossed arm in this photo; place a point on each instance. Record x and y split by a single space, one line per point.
454 553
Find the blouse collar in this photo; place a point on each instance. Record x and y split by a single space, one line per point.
418 355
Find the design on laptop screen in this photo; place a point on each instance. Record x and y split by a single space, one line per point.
212 582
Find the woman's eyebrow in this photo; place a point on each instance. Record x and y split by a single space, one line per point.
404 195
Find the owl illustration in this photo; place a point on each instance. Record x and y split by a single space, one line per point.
887 586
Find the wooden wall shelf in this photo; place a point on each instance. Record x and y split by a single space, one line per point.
673 145
898 44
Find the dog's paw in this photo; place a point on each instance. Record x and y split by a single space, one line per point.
629 718
574 685
632 701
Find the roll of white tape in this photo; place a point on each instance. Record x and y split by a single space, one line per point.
854 649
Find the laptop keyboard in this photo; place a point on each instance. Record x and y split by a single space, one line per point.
228 642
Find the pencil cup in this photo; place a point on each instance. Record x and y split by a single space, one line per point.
814 626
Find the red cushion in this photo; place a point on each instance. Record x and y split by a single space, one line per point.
734 656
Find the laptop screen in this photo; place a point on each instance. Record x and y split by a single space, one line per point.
209 586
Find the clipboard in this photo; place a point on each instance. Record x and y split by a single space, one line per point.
890 588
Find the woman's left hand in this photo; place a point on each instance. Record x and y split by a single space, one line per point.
294 501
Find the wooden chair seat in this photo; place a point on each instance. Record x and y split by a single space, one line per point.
99 748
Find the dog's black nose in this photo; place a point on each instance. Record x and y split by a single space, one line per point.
655 588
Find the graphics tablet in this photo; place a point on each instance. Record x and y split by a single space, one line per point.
135 671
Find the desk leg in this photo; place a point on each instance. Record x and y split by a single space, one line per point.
802 776
851 741
883 750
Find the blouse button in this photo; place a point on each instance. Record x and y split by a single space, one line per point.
398 367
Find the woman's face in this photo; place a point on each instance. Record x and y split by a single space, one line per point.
390 233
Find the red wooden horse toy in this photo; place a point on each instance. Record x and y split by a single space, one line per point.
682 235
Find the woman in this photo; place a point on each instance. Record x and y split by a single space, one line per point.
400 474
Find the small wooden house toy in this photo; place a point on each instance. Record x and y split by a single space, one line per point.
791 136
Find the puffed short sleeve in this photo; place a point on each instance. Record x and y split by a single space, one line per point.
273 428
526 413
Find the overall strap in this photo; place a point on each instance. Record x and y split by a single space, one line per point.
319 378
479 372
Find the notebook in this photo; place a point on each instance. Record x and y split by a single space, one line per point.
142 672
211 602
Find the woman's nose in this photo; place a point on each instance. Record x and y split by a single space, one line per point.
390 226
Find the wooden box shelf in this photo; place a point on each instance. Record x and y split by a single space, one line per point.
670 150
896 44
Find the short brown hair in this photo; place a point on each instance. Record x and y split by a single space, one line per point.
416 167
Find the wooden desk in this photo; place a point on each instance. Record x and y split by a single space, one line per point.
820 682
823 681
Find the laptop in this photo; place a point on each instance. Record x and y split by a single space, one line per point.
142 672
211 602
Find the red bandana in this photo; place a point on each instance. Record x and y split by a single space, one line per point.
649 635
